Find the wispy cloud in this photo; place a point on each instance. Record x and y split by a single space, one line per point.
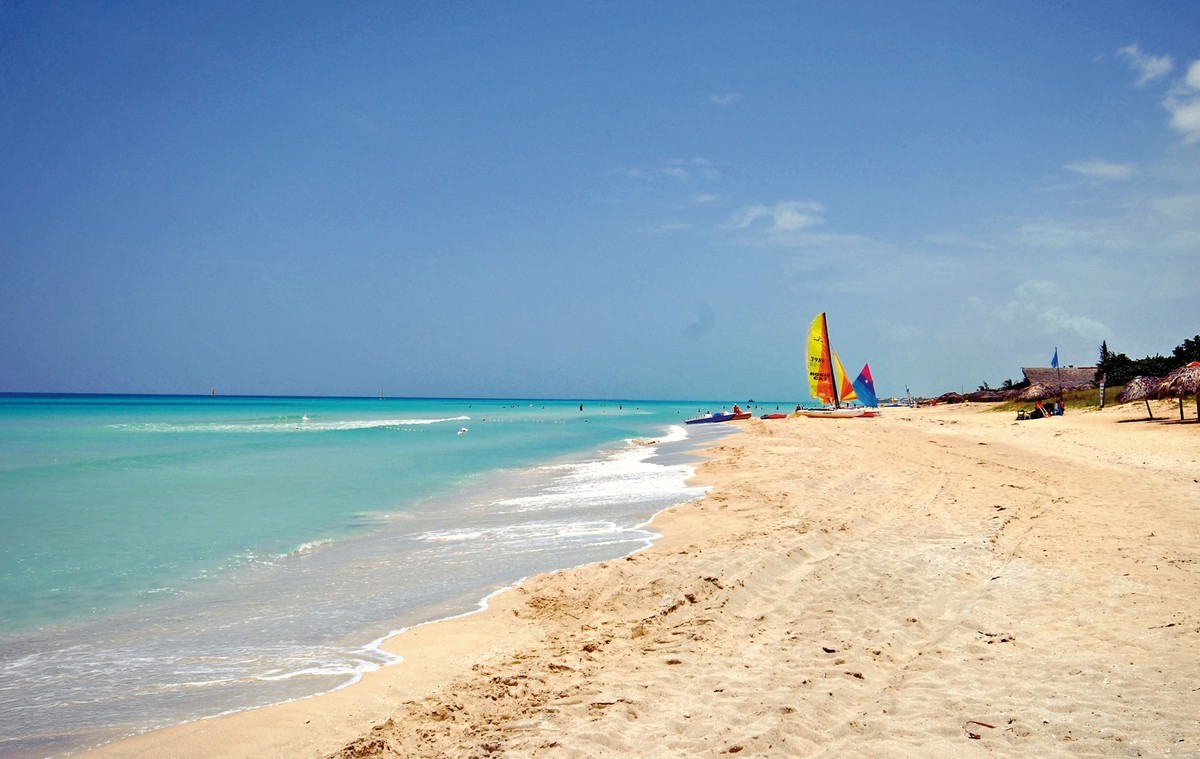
1180 210
834 261
724 99
675 226
1155 221
676 168
1040 303
1038 289
784 216
685 168
1064 234
704 199
1176 222
1103 170
1148 67
1183 103
958 240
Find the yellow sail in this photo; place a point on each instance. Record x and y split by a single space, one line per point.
820 367
846 389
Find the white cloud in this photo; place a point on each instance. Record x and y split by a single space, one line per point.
1038 288
784 216
1183 103
685 168
704 199
702 165
1149 67
1055 320
1103 170
1040 302
724 99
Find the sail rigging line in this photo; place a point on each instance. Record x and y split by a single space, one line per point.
833 380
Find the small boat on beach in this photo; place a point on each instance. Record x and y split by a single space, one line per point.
826 373
773 416
718 417
843 412
723 416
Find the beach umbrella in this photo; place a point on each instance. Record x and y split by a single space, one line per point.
1140 389
1183 381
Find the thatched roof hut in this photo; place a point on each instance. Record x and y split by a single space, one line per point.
1070 378
1038 392
950 398
985 396
1183 381
1140 389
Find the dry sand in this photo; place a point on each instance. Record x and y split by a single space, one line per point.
938 582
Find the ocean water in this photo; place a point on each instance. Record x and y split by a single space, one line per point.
164 559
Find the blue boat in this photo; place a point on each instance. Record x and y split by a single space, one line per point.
722 416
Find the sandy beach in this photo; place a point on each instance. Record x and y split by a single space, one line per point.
934 582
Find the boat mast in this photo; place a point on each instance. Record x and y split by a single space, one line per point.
833 385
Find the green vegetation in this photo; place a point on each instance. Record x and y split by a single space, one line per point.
1120 368
1007 384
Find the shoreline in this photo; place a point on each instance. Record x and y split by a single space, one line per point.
923 595
671 448
239 639
244 726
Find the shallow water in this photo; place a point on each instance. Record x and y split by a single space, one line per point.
164 559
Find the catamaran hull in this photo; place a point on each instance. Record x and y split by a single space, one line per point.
838 413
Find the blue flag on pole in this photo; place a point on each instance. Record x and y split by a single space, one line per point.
1054 361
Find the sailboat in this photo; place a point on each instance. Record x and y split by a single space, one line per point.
828 382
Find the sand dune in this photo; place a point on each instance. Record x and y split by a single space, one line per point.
938 582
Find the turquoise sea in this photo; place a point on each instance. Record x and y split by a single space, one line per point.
167 558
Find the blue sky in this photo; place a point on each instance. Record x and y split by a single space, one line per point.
596 200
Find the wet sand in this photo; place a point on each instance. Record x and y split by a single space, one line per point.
934 582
